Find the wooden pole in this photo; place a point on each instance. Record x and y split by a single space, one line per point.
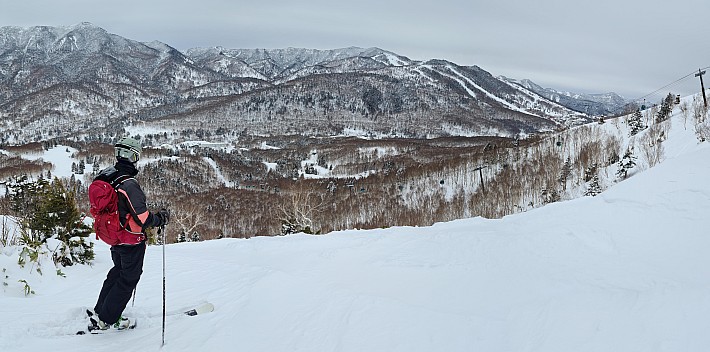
480 173
702 86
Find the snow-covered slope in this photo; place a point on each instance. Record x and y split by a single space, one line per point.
624 271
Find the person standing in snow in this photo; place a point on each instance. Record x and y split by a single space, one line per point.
127 259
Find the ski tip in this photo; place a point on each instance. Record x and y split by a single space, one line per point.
201 309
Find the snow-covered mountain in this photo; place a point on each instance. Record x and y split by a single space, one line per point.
590 104
280 65
623 271
71 81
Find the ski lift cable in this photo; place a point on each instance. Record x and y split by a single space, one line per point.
669 84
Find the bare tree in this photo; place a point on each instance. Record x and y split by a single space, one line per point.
188 217
298 209
652 143
702 128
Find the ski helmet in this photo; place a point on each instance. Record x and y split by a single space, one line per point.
128 148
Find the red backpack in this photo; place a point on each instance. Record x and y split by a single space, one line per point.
104 208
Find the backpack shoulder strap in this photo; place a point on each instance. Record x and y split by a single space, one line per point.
117 182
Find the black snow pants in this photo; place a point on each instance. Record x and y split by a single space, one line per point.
120 281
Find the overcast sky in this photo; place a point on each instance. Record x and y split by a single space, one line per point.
632 47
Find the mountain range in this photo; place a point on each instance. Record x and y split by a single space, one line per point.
591 104
75 81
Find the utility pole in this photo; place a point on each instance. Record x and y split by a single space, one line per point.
480 173
702 86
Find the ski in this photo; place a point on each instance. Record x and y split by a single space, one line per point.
196 310
95 331
201 309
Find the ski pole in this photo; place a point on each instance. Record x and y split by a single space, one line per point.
163 341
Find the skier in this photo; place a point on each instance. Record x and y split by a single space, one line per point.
127 258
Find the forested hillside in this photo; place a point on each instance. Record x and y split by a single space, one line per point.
276 185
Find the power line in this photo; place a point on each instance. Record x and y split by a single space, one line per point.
670 84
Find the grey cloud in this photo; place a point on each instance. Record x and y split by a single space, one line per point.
632 47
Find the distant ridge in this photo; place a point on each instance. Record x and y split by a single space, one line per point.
591 104
61 81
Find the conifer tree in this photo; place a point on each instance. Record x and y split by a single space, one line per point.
666 108
48 211
627 162
590 172
636 123
594 188
23 195
550 195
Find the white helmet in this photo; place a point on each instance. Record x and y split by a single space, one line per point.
128 148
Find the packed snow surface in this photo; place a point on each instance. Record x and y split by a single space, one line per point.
627 270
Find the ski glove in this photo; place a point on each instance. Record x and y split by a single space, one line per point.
161 217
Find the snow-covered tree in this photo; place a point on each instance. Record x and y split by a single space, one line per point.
550 195
627 162
593 188
47 210
666 108
590 172
636 124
